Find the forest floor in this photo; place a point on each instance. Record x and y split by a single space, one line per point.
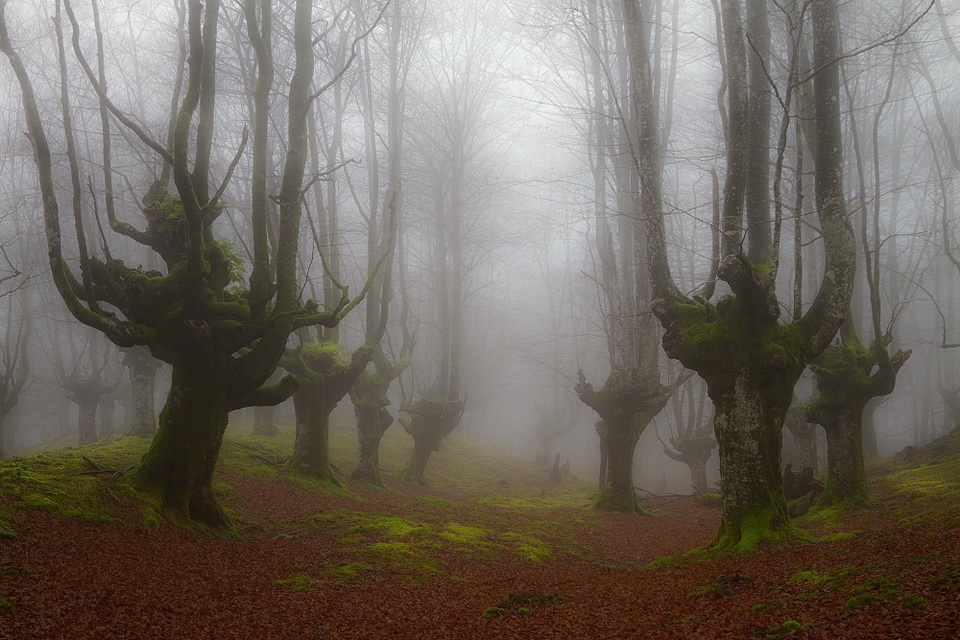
492 550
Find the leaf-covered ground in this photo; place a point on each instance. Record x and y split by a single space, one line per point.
492 550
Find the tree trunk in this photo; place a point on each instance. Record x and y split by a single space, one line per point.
179 465
846 473
142 369
749 430
87 421
311 449
601 428
617 492
805 438
369 398
264 423
871 446
107 410
430 422
423 448
698 474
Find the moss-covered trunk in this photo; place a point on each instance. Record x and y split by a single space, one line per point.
846 472
311 447
620 445
748 427
369 397
178 467
372 423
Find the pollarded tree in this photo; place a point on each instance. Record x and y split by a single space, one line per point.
693 443
222 342
749 360
327 374
849 375
632 394
86 378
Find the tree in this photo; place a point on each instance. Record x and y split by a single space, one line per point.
430 422
327 375
849 375
222 341
142 369
86 379
749 360
14 359
693 442
369 393
632 394
804 437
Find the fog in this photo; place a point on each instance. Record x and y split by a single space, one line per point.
493 131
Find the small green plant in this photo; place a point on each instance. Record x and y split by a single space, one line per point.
948 580
6 607
861 600
785 629
913 602
522 603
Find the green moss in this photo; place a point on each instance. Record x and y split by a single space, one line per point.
37 501
150 517
861 600
827 580
326 356
388 526
462 534
522 603
527 546
347 571
755 527
948 580
6 607
784 630
6 533
298 582
913 602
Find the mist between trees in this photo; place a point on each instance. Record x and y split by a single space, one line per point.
651 243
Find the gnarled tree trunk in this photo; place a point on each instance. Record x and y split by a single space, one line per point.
430 422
